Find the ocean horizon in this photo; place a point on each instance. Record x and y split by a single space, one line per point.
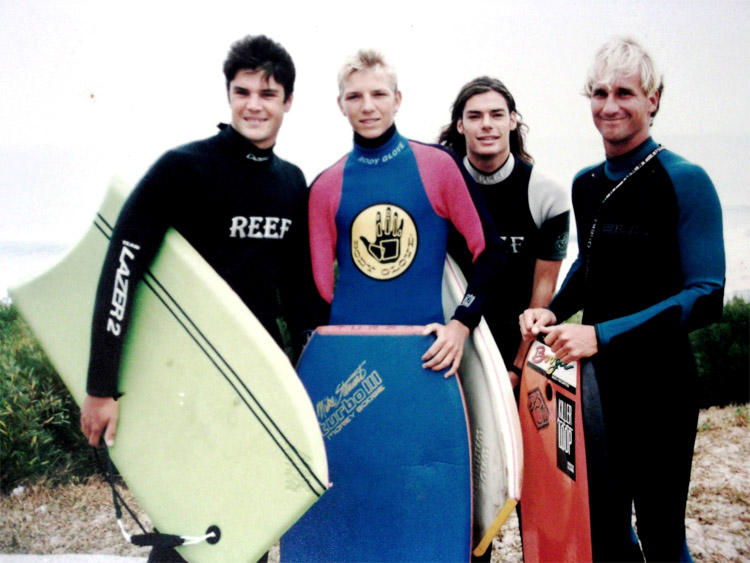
45 210
22 260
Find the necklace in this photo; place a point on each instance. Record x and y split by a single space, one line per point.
635 169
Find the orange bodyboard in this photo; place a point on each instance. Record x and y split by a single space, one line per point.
555 521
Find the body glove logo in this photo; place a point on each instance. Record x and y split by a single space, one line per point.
384 241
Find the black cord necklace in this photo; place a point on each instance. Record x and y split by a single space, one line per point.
635 169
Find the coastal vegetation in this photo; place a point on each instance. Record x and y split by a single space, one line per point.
39 430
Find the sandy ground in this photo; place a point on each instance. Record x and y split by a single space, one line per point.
60 525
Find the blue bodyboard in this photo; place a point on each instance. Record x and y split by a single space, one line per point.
398 451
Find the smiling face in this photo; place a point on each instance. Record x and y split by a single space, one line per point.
258 107
486 124
622 113
369 102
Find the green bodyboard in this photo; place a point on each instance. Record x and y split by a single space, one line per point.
215 427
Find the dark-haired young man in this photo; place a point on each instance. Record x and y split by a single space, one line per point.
238 204
530 211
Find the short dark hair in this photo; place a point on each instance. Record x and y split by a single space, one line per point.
259 53
451 138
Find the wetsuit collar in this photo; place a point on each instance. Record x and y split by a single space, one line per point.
244 146
617 167
363 142
489 179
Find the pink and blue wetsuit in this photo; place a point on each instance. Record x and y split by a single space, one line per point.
385 213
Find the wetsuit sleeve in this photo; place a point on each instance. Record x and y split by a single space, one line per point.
569 298
455 196
325 195
553 237
701 248
137 235
549 204
302 307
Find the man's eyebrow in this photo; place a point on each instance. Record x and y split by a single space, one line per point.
480 112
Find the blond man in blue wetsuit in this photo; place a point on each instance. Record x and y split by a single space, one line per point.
650 268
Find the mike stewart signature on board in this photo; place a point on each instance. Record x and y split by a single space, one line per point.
352 396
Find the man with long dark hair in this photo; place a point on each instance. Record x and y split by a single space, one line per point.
530 211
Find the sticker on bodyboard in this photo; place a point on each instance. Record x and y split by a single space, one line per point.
566 443
538 409
543 361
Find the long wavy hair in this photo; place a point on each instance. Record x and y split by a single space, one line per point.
451 138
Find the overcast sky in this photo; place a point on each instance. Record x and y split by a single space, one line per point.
94 88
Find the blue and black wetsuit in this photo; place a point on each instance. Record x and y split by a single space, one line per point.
654 271
243 209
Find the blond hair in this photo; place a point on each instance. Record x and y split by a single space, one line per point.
366 59
623 56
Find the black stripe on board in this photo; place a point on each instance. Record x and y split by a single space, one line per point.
173 307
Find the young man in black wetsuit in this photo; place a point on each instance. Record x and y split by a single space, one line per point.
238 204
242 207
650 268
531 212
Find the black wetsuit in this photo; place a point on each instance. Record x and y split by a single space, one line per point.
531 214
243 209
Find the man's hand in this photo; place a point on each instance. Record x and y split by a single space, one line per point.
99 414
531 322
571 342
448 348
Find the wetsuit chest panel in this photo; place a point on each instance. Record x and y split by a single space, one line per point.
391 243
634 253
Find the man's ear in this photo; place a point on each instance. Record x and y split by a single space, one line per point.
655 100
397 101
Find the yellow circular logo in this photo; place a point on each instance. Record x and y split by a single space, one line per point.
384 241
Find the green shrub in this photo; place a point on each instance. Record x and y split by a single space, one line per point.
721 351
723 357
39 435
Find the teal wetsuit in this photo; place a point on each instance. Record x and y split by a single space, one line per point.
652 271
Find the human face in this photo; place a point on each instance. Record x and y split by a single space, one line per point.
622 113
486 124
258 107
369 102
